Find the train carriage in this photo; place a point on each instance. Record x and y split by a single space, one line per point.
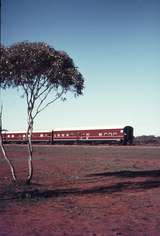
78 136
21 137
89 135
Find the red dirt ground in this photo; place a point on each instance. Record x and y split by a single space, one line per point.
82 191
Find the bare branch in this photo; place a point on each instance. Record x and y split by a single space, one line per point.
39 109
3 149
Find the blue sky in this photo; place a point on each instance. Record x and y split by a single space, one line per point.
115 44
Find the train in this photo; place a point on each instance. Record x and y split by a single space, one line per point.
75 136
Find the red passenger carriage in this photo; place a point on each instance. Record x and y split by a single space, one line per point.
67 136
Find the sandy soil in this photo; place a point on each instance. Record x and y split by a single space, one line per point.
82 191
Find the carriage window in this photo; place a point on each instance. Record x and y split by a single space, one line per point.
58 135
67 135
72 134
12 136
62 135
100 134
108 134
24 135
8 136
41 135
115 133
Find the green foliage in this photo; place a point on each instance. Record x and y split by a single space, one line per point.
24 63
4 67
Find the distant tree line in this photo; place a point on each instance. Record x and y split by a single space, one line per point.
147 139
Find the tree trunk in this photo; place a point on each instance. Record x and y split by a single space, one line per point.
30 151
6 158
3 149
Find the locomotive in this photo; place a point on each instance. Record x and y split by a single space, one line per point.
75 136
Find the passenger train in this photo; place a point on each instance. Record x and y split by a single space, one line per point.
75 136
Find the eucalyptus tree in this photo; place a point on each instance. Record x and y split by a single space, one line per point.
44 75
3 83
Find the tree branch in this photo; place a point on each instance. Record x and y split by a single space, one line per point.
3 149
39 109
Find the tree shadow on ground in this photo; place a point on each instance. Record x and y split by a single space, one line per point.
38 194
129 174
